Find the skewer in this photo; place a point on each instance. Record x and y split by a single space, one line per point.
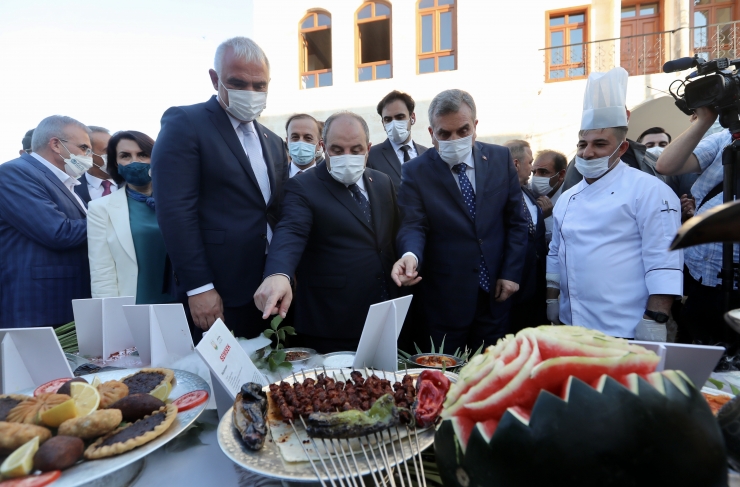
357 468
403 456
346 460
348 478
413 455
318 452
421 462
325 374
310 459
395 457
378 467
384 456
303 372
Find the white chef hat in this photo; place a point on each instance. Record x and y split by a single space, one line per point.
604 103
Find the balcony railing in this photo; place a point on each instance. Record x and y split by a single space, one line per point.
641 54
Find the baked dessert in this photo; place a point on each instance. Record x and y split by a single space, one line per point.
146 380
8 402
111 392
135 406
14 435
95 424
30 410
133 435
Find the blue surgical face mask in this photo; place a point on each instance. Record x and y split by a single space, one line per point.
136 173
302 153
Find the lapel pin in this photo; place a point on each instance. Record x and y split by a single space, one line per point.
371 179
485 158
265 135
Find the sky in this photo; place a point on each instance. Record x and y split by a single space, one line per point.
116 64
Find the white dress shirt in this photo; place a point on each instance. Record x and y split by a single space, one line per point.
532 209
360 184
470 171
95 186
399 152
235 123
68 181
609 250
297 170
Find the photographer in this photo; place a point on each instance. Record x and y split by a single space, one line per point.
702 316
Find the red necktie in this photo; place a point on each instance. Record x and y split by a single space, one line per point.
106 188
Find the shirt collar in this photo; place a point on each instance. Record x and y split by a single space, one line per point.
235 122
65 178
397 147
295 169
95 181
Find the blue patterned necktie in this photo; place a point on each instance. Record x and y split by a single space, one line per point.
469 196
362 201
530 222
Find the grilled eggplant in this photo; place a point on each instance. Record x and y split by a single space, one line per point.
351 424
249 415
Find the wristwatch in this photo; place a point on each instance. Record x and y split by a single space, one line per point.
657 316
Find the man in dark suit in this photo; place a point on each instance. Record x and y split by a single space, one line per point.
26 143
96 182
336 237
462 228
218 178
43 227
396 112
528 304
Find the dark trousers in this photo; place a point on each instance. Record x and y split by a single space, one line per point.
246 321
490 322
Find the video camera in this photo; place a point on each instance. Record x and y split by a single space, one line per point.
709 86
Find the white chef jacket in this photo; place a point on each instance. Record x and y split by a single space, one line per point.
610 244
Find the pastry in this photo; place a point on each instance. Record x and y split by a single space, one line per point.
66 388
8 402
14 435
58 453
132 435
30 410
146 380
135 406
111 392
95 424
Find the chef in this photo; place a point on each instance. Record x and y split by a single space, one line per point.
609 267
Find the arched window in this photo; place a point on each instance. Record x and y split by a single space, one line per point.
436 36
315 46
373 41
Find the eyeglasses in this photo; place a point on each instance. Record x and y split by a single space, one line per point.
84 148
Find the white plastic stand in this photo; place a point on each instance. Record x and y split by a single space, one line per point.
21 366
160 332
101 326
378 346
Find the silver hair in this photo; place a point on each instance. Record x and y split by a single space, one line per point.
341 114
517 146
94 129
244 48
53 126
450 101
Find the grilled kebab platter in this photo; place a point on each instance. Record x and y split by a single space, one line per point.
85 428
373 419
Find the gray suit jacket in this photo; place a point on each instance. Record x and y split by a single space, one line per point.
384 159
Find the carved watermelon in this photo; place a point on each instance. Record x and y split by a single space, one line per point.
570 406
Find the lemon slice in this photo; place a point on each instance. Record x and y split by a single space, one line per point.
162 391
96 381
20 462
59 414
86 397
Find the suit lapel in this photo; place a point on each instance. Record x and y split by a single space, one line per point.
483 171
375 202
55 180
119 217
420 149
82 190
341 193
391 157
221 120
448 181
269 160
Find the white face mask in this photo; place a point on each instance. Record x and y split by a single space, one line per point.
302 153
76 165
455 151
656 151
347 168
595 168
245 105
540 185
104 167
398 131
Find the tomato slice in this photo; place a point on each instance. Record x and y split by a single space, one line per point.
33 480
51 386
190 400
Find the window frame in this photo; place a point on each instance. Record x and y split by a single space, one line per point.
436 53
712 31
586 11
358 41
303 49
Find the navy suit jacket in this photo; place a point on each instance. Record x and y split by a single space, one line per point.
209 205
384 159
437 227
339 260
533 276
82 191
43 246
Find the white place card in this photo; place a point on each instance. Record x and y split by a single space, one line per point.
101 326
229 364
378 346
160 331
20 367
696 361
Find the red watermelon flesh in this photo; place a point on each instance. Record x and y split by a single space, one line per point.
512 374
